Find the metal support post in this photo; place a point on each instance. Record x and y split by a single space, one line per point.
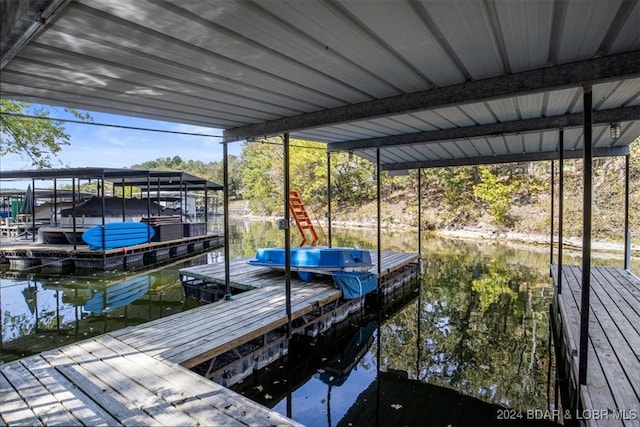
560 211
553 210
586 235
420 211
379 209
329 237
627 233
287 233
225 198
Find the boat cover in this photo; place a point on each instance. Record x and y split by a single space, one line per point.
355 284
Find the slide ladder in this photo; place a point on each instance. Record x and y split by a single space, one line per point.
303 221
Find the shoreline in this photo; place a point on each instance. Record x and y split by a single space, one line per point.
573 244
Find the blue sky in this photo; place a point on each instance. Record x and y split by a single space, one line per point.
99 146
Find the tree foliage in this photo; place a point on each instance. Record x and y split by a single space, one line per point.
36 139
497 193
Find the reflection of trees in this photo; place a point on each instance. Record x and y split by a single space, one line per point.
476 328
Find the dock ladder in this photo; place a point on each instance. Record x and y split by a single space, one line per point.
303 221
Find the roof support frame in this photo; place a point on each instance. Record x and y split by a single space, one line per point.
614 67
509 158
493 129
32 20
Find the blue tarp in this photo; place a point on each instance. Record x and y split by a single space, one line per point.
355 284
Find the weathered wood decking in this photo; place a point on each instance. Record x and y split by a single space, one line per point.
139 375
612 391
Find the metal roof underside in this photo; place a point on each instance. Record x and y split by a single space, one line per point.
430 83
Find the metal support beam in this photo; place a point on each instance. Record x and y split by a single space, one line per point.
508 158
287 233
560 209
604 69
329 236
553 210
225 198
379 211
627 233
420 211
489 130
24 21
33 211
73 210
587 171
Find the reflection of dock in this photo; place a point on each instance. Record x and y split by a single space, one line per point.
139 375
22 254
613 364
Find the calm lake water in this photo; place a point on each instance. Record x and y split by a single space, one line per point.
473 334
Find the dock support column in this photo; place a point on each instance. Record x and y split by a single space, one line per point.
560 210
329 198
148 206
420 211
379 209
124 210
225 200
287 233
73 210
55 202
627 233
586 235
100 185
553 209
33 210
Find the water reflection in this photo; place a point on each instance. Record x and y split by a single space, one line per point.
42 312
471 340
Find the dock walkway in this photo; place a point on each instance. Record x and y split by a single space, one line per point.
140 375
611 396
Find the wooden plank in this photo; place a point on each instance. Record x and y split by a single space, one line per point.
628 280
190 329
603 338
148 391
43 404
129 392
622 321
628 303
15 410
72 398
201 318
600 369
85 377
202 348
194 388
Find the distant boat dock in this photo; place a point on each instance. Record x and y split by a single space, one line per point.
24 254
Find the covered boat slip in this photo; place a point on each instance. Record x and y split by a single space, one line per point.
611 395
139 375
103 381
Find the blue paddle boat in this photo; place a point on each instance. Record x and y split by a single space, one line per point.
349 266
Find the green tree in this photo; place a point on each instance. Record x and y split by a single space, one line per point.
37 139
497 194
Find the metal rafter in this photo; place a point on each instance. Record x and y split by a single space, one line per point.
508 158
493 129
599 70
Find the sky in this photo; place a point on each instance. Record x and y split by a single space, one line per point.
99 146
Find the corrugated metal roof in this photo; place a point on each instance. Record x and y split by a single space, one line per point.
344 72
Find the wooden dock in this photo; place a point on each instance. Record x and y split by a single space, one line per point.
611 396
140 375
24 254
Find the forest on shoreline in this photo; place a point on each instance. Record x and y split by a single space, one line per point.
487 200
